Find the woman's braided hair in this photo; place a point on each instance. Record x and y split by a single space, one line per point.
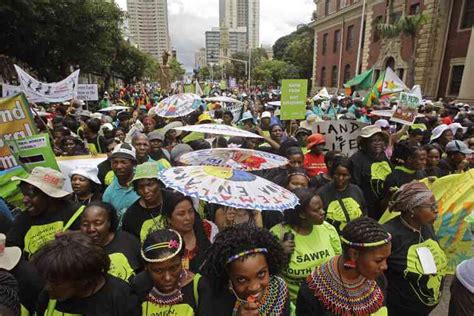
9 292
234 240
363 230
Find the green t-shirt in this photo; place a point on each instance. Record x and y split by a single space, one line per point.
310 251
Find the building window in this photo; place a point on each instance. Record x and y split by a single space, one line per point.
415 9
401 73
326 7
334 76
456 78
347 72
337 40
322 79
350 37
325 43
338 4
467 14
395 16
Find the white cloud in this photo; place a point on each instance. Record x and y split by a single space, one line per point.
190 19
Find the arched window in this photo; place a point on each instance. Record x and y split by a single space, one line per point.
322 79
347 73
334 76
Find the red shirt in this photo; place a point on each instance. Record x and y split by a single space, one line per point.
314 164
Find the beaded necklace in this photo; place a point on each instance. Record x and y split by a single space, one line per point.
274 299
360 297
176 297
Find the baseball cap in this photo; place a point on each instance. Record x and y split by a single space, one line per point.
156 135
125 151
266 114
458 146
315 139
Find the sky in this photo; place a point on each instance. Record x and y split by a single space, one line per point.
190 19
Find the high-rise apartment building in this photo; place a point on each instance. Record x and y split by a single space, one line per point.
200 58
236 42
148 23
236 14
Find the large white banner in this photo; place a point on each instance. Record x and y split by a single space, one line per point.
9 90
37 91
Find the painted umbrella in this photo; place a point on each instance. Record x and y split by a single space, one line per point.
178 105
237 158
218 129
226 186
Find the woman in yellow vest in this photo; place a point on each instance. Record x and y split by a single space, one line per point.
165 287
353 283
99 220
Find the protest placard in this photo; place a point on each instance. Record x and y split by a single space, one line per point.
16 122
407 109
87 92
339 135
293 99
33 151
37 91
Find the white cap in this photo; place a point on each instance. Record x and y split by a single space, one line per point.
87 171
266 114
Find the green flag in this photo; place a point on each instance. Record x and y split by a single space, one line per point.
361 81
374 94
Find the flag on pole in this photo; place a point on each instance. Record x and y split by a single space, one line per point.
374 94
391 83
199 91
361 81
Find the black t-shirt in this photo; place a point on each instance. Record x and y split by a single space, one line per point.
139 221
143 283
5 224
115 298
103 168
434 172
318 181
400 176
124 254
30 233
352 198
408 288
30 283
369 173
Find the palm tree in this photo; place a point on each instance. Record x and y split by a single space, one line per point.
407 25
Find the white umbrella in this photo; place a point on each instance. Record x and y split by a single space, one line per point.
274 103
226 186
218 129
237 158
114 107
388 113
222 99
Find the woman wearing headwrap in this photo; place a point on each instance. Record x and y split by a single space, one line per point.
417 265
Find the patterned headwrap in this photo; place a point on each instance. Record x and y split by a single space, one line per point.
410 196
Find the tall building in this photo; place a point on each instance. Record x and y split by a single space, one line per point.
237 14
200 58
443 56
148 23
236 42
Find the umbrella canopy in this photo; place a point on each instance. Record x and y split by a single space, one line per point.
225 186
222 99
178 105
274 103
388 113
218 129
237 158
114 107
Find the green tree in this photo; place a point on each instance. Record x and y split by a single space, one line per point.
176 70
271 72
131 64
409 26
204 73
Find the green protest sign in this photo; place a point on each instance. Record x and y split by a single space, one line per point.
33 151
293 99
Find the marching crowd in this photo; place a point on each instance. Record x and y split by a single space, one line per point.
121 243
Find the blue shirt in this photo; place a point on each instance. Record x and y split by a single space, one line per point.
5 210
120 197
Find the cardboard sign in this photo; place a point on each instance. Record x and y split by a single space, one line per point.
16 122
293 99
340 135
87 92
407 109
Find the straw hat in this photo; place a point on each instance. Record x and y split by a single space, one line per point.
9 256
310 121
48 180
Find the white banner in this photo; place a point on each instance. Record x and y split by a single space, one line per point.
340 135
87 92
37 91
9 90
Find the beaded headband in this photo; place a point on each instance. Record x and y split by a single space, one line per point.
172 244
245 253
367 245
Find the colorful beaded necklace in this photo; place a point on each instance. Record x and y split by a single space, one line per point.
361 297
176 297
274 299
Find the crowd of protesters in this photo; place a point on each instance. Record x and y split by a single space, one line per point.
122 244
